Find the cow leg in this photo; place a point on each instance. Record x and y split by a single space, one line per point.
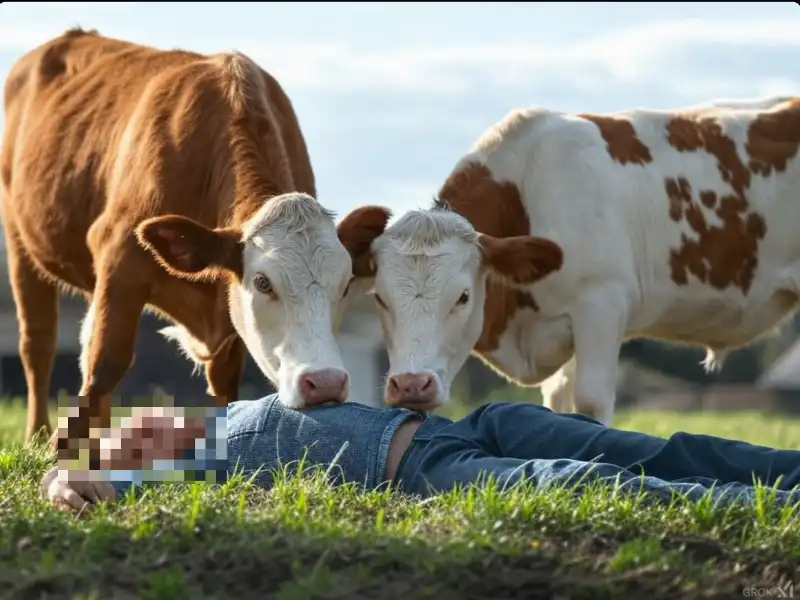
37 314
558 389
598 329
108 338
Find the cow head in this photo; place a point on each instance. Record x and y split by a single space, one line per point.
429 271
288 269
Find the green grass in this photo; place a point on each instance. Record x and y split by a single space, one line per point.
303 539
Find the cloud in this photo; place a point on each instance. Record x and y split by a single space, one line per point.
22 38
55 9
399 196
689 56
660 52
106 7
21 28
386 116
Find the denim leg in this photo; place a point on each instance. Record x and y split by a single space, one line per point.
527 431
687 455
444 464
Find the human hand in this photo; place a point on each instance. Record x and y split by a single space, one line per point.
67 490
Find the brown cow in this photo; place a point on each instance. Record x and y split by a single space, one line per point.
107 141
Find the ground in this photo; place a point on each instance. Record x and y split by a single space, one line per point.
305 540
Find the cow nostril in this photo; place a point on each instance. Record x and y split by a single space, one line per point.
309 383
393 384
428 383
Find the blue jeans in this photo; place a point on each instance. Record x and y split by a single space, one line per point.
507 441
511 442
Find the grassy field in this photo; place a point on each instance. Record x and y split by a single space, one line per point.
304 540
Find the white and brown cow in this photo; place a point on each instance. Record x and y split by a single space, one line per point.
680 225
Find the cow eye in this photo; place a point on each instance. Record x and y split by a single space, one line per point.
262 284
463 298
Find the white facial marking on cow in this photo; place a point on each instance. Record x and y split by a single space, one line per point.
288 272
290 301
429 288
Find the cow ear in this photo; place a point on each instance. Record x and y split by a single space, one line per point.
189 249
357 231
522 259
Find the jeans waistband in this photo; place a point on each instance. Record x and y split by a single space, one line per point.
409 464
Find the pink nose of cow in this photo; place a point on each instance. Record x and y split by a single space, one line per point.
325 385
412 390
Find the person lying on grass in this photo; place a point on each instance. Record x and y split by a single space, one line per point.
425 454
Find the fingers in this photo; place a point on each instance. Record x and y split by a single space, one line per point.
73 499
88 491
63 496
105 491
94 491
48 478
80 483
76 495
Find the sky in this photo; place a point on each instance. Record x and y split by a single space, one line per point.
389 95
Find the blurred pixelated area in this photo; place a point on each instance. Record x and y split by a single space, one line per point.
158 438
